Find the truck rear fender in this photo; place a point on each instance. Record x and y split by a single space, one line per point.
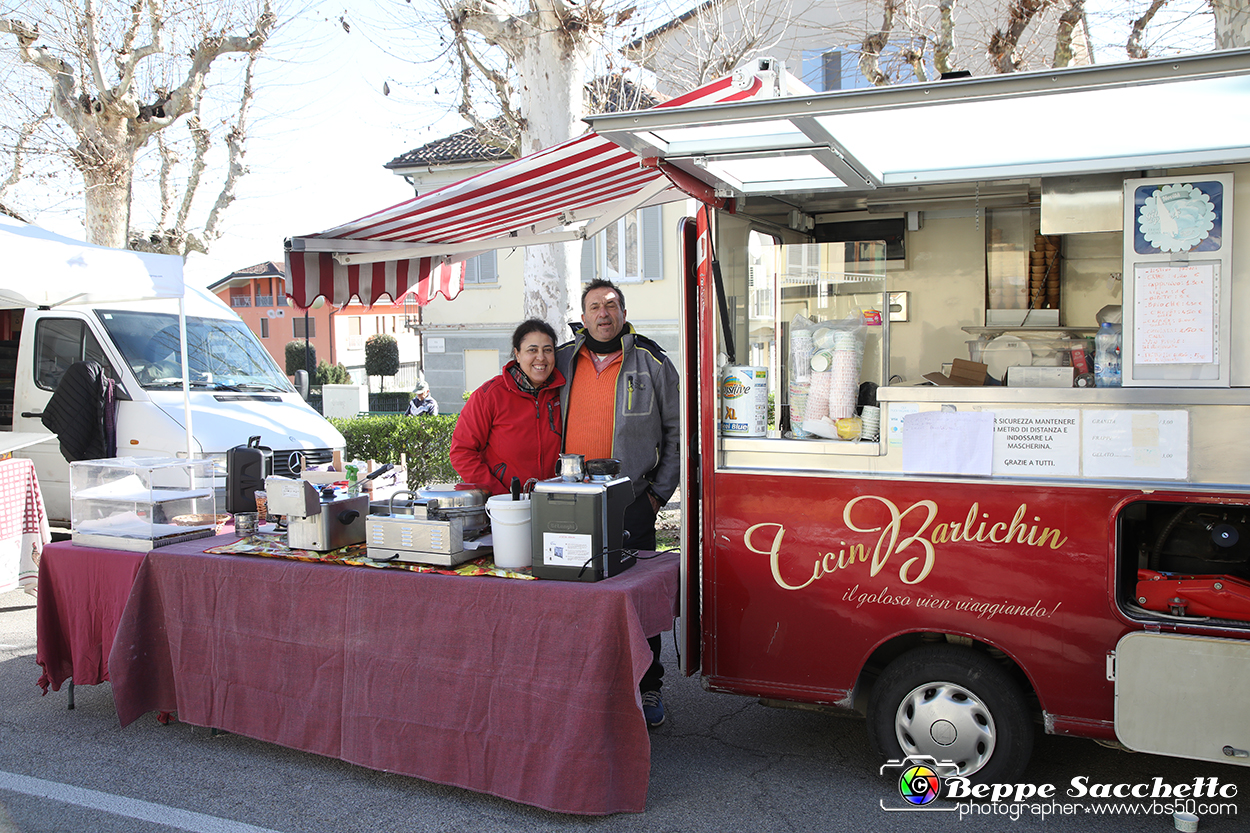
895 646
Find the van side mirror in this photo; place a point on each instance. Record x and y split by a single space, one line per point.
301 383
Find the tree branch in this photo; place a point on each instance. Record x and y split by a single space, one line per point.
129 58
1071 18
91 41
1137 33
236 143
20 149
1003 44
874 45
185 97
169 158
944 45
62 74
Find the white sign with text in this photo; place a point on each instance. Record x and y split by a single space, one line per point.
1037 443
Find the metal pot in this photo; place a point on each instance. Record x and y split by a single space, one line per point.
571 467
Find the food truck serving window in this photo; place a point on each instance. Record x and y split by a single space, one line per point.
812 318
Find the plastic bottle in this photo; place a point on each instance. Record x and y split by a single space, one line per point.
1107 357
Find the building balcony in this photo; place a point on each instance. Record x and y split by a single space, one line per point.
264 300
240 301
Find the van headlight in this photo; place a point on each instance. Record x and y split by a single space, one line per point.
218 459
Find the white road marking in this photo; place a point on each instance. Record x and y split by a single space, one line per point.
131 808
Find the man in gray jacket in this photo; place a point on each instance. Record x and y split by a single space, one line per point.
620 399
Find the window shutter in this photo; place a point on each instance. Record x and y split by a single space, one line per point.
487 267
588 259
471 270
651 221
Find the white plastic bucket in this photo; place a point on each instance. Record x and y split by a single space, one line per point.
744 401
510 531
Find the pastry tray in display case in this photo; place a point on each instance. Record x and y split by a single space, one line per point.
140 503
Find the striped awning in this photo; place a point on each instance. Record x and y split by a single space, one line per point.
559 194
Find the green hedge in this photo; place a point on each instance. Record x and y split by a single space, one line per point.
426 440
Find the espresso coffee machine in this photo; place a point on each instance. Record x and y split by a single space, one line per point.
578 524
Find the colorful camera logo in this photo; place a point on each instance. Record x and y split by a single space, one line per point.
919 785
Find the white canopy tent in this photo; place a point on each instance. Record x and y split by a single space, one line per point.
43 269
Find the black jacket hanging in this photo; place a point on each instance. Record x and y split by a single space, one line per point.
82 413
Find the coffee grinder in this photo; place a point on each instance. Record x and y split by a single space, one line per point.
578 524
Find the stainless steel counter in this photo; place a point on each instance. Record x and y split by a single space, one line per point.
1068 397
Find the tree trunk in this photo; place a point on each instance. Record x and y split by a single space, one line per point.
550 44
106 161
108 208
553 71
1232 23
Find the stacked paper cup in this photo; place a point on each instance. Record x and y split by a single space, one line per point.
844 381
801 358
818 396
871 418
798 407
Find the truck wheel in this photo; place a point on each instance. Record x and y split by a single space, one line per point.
953 704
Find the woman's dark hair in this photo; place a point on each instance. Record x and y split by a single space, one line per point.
533 325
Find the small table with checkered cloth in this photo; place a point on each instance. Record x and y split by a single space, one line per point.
23 525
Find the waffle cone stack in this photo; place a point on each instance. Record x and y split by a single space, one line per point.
1044 273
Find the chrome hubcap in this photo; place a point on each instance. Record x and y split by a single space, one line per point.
948 722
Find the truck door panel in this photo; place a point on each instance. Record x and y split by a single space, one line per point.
1184 696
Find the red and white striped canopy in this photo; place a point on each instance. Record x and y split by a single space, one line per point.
534 199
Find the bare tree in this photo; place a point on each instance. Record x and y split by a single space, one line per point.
548 46
114 79
716 38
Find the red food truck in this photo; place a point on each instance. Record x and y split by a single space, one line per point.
967 554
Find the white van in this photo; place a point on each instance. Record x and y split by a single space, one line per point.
237 391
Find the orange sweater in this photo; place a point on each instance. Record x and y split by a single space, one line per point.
592 407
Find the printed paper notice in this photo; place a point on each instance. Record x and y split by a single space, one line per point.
1174 314
1151 445
948 442
566 549
1037 443
898 412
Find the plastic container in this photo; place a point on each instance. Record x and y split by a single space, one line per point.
510 531
1107 357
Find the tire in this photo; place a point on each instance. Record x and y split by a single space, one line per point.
953 704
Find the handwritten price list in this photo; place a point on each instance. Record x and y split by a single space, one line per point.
1174 314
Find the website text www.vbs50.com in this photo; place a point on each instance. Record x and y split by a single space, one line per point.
922 781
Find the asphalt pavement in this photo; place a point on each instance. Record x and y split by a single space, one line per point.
720 763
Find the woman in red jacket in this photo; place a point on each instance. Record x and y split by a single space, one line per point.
510 427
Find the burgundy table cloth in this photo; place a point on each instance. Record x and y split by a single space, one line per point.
527 690
82 593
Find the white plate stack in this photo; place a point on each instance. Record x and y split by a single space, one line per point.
871 419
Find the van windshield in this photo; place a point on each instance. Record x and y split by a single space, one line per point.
222 354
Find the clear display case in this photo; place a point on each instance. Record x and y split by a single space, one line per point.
817 321
140 503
